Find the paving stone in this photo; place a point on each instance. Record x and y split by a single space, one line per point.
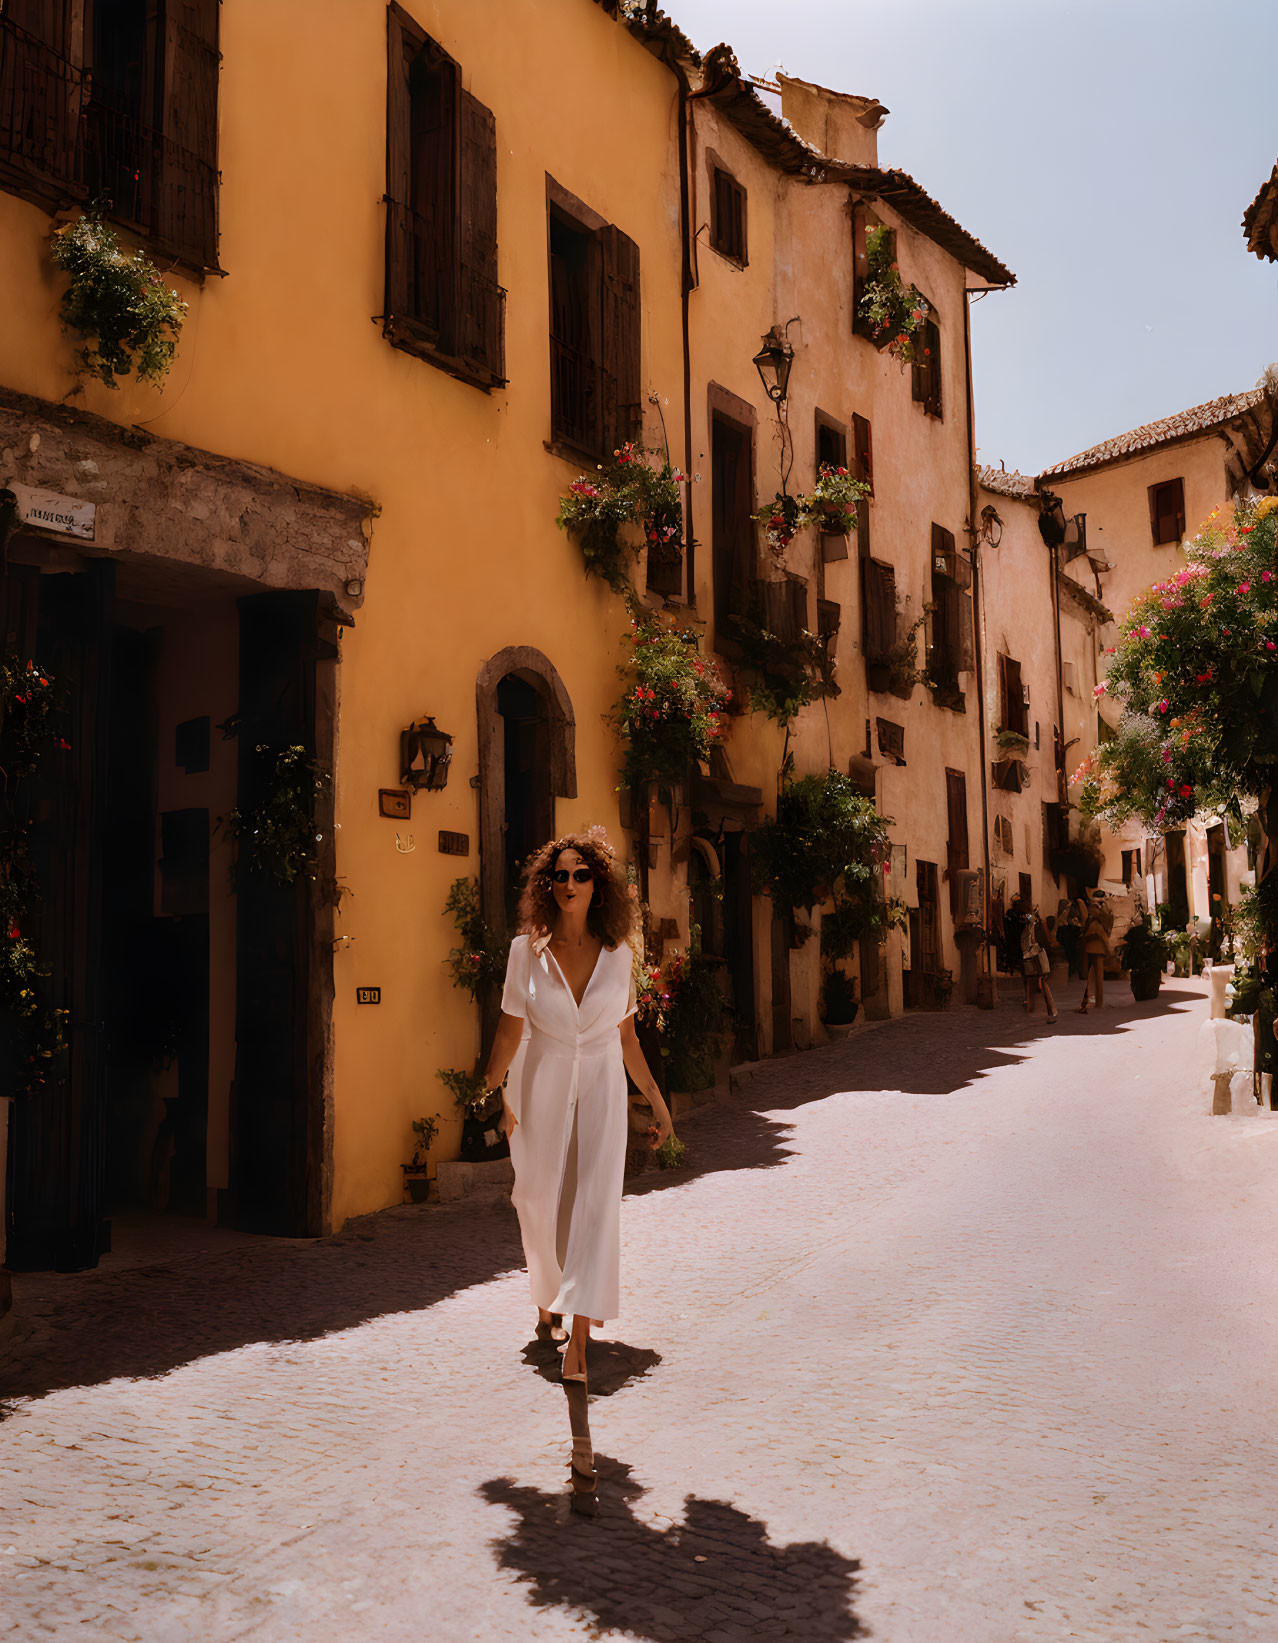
958 1329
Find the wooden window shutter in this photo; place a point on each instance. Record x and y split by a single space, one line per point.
932 343
480 338
621 337
891 740
879 602
1167 511
956 846
187 196
400 51
863 456
42 94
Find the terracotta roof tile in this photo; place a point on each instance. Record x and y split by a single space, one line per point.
1005 483
1199 419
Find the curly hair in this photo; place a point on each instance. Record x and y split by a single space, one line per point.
612 911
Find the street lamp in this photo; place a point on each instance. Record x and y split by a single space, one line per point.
425 754
773 362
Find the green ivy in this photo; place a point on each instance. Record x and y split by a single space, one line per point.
479 961
827 842
277 835
119 303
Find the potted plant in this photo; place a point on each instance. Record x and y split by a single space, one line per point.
832 507
892 312
120 304
1143 953
482 1136
415 1171
782 520
1011 744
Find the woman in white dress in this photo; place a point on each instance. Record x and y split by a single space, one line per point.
565 1041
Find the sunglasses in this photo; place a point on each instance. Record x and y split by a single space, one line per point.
579 875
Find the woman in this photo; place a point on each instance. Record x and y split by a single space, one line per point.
567 1038
1094 942
1069 929
1036 966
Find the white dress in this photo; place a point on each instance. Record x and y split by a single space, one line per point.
567 1088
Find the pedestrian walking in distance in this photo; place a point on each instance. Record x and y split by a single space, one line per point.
1036 966
564 1044
1096 948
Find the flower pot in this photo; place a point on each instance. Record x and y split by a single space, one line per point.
1146 982
417 1181
833 547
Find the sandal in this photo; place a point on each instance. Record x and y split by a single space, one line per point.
1081 1010
553 1330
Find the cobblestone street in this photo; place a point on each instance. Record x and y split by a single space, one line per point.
963 1331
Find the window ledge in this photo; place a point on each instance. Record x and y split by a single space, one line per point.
401 334
575 454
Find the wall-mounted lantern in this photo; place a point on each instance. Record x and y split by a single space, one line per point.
773 362
1051 519
425 755
991 526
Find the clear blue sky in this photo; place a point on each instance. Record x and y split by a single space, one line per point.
1105 150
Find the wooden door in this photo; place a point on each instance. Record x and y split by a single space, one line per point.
276 1113
57 1208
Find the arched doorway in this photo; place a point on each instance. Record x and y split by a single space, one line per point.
527 760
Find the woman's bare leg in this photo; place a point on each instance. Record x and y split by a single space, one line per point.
575 1351
1047 997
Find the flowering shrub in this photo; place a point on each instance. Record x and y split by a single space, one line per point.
32 1033
782 675
1196 673
479 961
120 304
685 1003
674 704
892 311
628 491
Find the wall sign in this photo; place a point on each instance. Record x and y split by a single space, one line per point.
394 801
368 995
454 844
48 511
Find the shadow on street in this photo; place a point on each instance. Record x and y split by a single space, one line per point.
86 1328
715 1569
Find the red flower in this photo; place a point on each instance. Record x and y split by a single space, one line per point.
14 932
1186 791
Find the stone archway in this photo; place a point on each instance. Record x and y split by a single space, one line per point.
532 669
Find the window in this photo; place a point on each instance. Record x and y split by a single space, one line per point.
116 101
732 529
956 848
727 215
831 443
831 449
1167 511
443 301
1131 866
784 608
594 328
950 652
925 372
1013 698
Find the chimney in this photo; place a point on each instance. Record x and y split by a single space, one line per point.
842 126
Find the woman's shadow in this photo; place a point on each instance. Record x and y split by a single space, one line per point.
715 1570
610 1364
